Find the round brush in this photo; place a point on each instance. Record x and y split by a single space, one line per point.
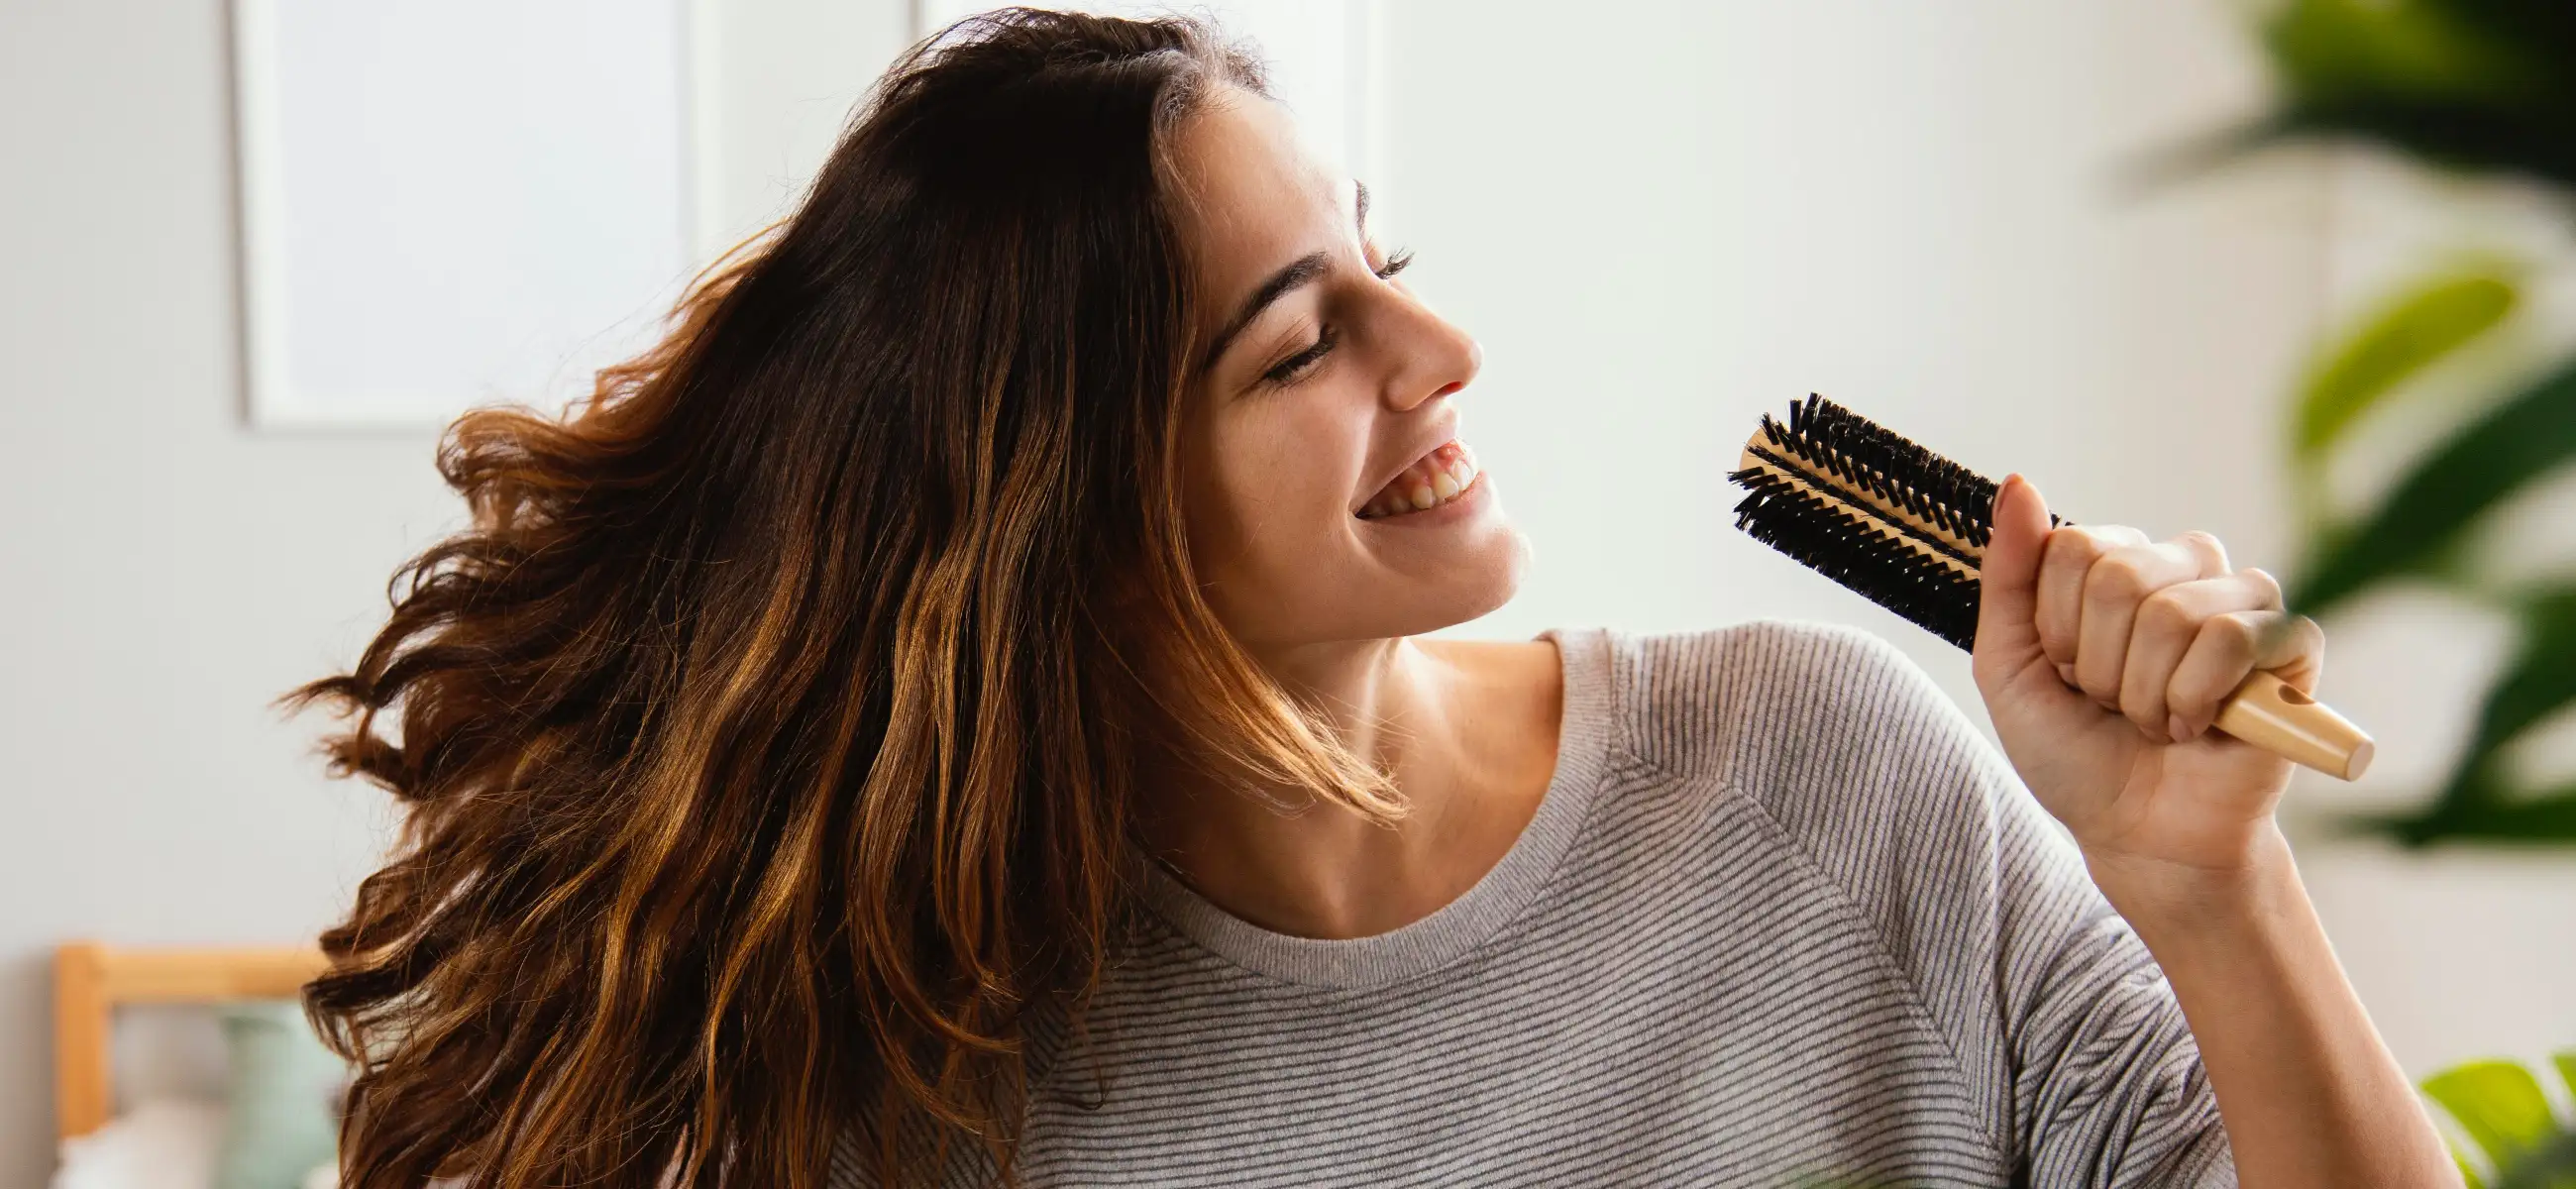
1907 529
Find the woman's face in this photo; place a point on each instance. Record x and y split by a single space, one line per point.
1328 493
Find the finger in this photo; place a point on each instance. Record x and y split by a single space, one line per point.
2168 624
2113 590
2211 551
2296 655
2006 640
2233 645
2059 611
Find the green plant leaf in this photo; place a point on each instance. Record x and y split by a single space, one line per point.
2566 1063
2471 84
2552 1166
2535 683
2526 437
2549 820
2446 135
2334 49
2498 1104
2425 322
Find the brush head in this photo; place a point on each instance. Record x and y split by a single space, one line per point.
1895 522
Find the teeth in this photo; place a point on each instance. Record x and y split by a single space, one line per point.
1436 479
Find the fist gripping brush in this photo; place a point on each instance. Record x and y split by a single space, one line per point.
1907 528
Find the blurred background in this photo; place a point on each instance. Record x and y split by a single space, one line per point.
256 254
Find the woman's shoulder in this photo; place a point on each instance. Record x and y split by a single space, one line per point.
1846 746
1770 693
1830 750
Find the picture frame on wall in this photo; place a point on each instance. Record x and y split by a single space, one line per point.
453 203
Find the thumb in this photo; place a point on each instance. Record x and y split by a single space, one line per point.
2007 607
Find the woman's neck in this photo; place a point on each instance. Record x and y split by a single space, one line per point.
1466 729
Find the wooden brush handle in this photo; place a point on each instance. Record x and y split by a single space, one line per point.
2270 714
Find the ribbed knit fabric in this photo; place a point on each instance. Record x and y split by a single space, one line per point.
1783 918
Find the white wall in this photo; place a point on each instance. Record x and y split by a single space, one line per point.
1661 219
776 82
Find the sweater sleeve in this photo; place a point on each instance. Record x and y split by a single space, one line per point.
2107 1084
2049 1001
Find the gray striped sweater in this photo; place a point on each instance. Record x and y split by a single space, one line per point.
1782 918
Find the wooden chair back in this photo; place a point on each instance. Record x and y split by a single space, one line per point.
92 980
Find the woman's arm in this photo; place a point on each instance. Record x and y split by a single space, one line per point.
2308 1093
2103 659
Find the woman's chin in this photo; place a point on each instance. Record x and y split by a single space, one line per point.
1473 579
1386 580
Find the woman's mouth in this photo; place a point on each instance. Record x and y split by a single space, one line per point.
1434 479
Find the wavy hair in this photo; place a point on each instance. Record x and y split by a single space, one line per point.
768 743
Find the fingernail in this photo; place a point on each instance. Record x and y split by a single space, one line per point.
2066 673
2175 727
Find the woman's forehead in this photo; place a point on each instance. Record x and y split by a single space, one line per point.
1253 195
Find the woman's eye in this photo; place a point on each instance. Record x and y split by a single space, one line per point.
1289 369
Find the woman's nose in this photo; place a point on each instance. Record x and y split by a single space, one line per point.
1435 357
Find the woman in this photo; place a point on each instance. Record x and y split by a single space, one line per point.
953 714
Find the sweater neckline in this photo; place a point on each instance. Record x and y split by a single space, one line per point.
1458 927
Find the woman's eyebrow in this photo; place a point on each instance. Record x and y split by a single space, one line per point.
1301 271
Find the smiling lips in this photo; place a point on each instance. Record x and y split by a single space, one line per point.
1434 479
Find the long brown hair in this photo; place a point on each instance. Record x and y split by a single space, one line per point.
769 740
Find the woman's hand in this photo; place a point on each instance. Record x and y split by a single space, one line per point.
2103 658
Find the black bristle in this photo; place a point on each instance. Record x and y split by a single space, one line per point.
1937 597
1857 451
1855 448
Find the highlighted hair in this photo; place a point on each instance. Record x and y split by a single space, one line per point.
769 741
